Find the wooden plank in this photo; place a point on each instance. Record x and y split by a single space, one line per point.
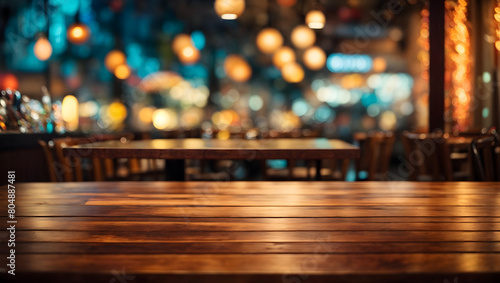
228 224
290 201
256 248
264 264
180 236
279 188
227 212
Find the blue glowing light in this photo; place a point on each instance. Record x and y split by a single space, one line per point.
198 39
151 65
300 107
57 38
70 7
324 114
343 63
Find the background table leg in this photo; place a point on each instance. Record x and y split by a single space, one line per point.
175 169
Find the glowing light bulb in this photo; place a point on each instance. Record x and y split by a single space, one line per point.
292 73
315 19
78 33
283 56
122 71
303 37
237 68
42 49
269 40
314 58
229 9
113 59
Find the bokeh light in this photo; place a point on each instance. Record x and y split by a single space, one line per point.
78 33
229 9
237 68
292 72
314 58
302 37
269 40
283 56
122 71
42 49
113 59
69 112
315 19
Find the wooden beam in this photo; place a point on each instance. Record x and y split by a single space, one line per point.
436 68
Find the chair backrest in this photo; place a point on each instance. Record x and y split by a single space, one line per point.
376 150
428 153
71 166
483 159
48 152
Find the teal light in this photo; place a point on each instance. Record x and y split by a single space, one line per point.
198 39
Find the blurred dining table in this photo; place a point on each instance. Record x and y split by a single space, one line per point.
176 151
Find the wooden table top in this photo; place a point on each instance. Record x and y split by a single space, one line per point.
256 232
219 149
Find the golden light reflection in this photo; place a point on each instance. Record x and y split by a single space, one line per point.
458 47
497 25
69 112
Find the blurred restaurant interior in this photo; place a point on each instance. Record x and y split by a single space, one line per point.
233 91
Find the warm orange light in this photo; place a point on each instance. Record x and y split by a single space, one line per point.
69 112
180 42
122 71
303 37
292 72
237 68
117 112
314 58
315 19
113 59
283 56
458 45
379 64
189 55
146 115
78 33
42 49
229 9
9 81
287 3
269 40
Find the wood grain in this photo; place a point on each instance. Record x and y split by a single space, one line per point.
257 232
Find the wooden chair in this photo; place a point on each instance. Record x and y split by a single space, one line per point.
48 151
484 163
428 157
70 167
376 150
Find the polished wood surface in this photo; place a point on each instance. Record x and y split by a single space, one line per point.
220 149
257 232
